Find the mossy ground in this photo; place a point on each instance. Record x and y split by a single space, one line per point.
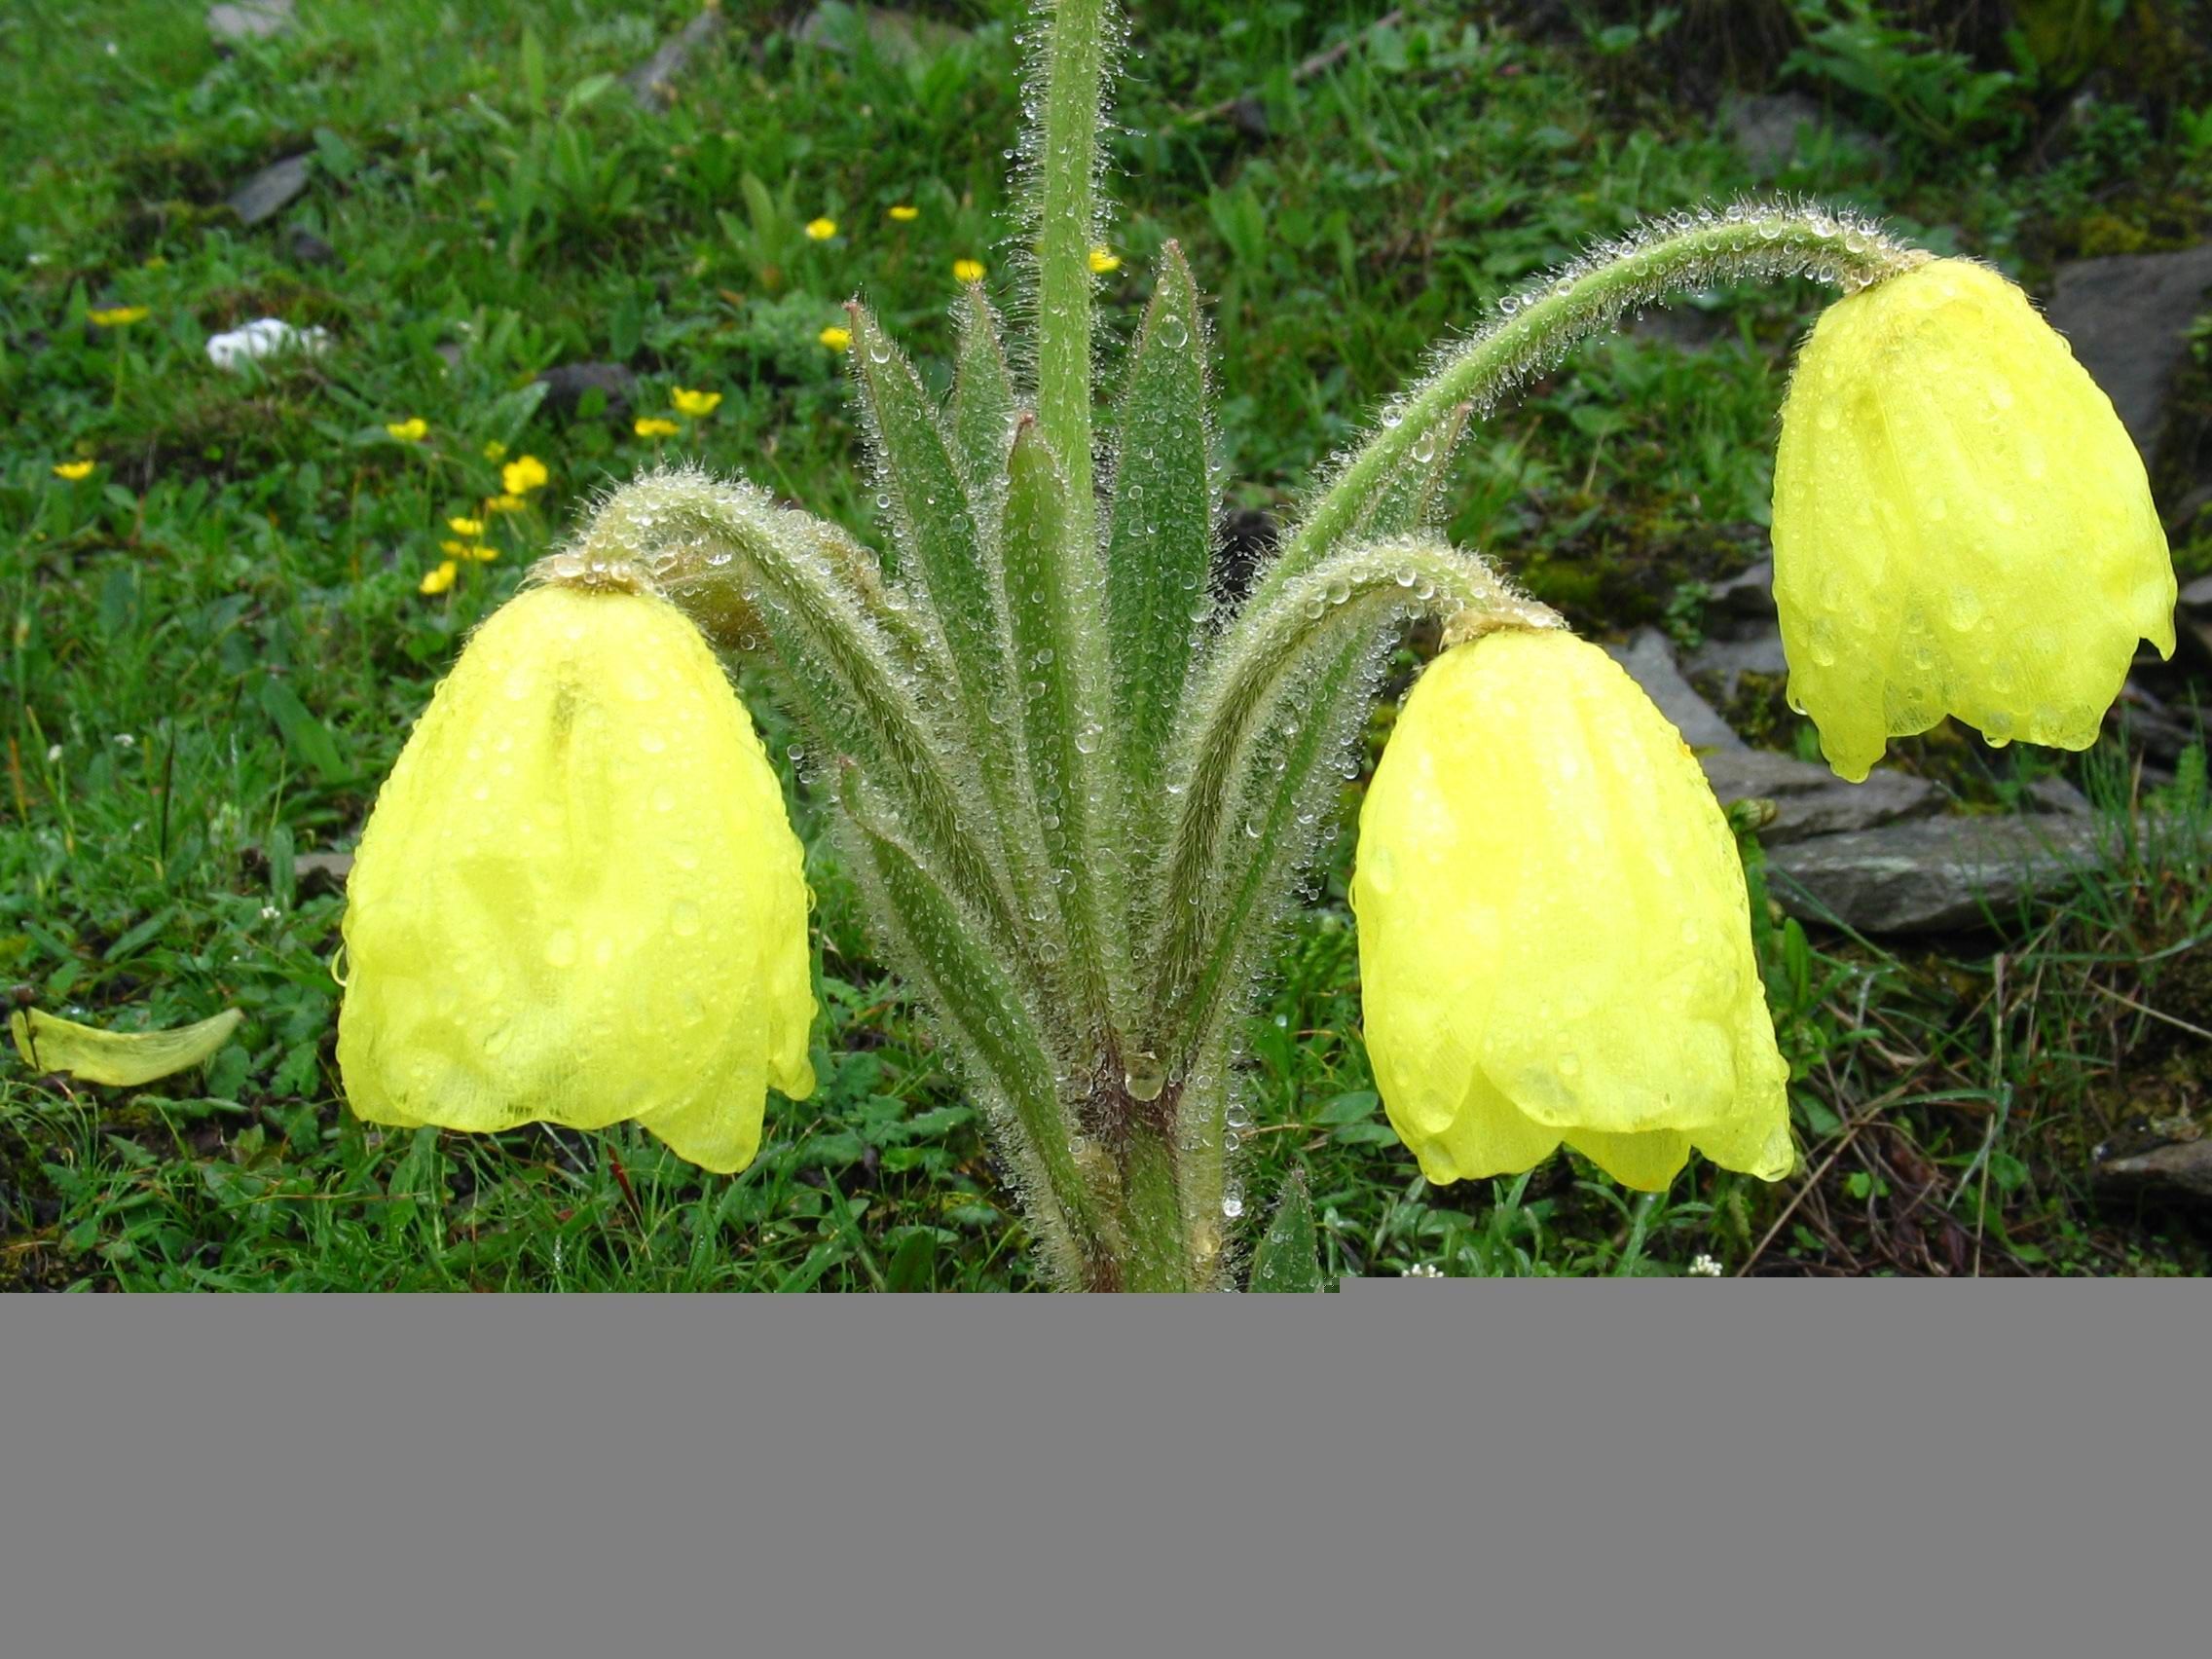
215 641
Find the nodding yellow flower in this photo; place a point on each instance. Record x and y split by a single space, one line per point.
905 214
821 229
438 580
835 338
578 898
119 316
1960 522
524 474
412 431
1103 260
73 471
697 404
967 271
653 426
504 504
1553 936
466 527
494 450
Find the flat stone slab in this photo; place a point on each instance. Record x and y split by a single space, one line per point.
1729 659
1931 875
1650 658
650 82
899 36
566 385
248 20
2127 318
2179 1166
272 190
1810 799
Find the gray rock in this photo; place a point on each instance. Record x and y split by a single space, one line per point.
248 20
2184 1166
1649 660
2056 794
1923 878
1769 128
322 872
2196 597
2127 318
1812 800
834 26
307 248
270 190
1748 593
565 383
1729 659
649 82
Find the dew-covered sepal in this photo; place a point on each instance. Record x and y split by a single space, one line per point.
1554 935
1960 522
578 898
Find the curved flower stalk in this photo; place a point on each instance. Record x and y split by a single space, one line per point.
1960 522
1079 799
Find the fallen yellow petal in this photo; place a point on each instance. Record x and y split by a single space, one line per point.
118 1058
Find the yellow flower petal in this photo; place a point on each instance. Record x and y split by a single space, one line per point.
494 450
438 580
578 898
412 431
73 469
122 1058
967 271
1960 522
906 215
1553 936
119 316
1104 259
697 404
835 338
505 505
653 426
821 229
524 474
467 526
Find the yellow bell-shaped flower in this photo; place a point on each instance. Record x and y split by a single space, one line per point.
578 898
1554 937
1960 522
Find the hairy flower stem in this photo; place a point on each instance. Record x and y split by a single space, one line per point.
1064 141
1536 328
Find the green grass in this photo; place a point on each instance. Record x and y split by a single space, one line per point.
215 641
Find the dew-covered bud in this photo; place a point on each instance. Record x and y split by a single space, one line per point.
1554 937
1960 522
578 898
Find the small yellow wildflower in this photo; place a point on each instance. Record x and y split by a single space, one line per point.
821 229
905 214
505 505
694 403
467 526
524 474
835 338
477 550
653 426
439 580
73 471
119 316
967 271
494 450
1104 259
412 431
156 263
